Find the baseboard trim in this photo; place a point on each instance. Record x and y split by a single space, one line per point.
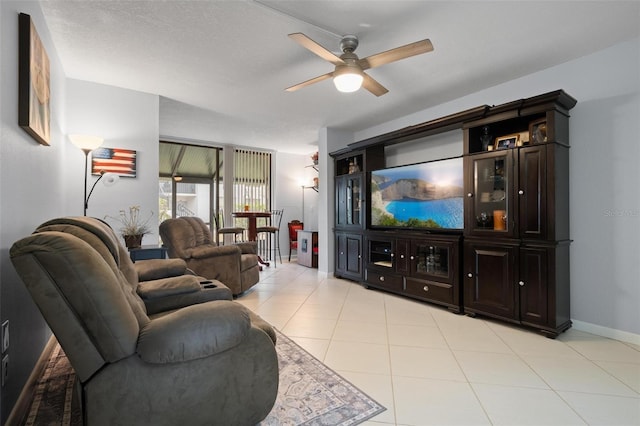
612 333
21 408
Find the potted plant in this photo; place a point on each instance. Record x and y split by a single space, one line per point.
133 226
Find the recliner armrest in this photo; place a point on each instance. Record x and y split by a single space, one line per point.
154 269
250 247
194 332
167 287
209 250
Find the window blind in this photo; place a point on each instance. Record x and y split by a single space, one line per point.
252 180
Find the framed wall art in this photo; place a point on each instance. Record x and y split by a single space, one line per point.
34 90
114 160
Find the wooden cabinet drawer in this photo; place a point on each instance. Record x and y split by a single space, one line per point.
388 281
431 290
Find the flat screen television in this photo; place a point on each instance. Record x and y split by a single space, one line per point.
419 196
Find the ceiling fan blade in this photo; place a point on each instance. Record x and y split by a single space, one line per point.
402 52
307 43
309 82
373 86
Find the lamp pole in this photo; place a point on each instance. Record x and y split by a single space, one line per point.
86 143
86 166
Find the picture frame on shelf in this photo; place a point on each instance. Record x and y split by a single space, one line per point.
538 131
34 85
508 141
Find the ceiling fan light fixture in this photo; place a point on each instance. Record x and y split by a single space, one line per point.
347 79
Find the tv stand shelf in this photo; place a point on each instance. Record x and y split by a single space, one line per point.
419 265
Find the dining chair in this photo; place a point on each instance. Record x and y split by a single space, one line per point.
229 230
270 232
294 226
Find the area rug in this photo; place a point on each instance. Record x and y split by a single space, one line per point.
309 393
53 400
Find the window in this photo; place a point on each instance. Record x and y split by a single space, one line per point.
252 180
189 181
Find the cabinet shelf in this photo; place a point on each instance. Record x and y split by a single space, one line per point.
420 266
383 252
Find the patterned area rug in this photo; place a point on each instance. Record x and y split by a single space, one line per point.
54 402
309 393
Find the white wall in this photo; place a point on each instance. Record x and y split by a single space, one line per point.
290 172
125 119
604 178
32 189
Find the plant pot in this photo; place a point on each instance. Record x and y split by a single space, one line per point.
133 241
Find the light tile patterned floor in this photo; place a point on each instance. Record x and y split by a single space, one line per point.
429 366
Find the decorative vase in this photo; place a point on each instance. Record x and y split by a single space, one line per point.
499 220
486 139
133 241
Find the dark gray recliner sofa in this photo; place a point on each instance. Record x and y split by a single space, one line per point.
189 238
203 364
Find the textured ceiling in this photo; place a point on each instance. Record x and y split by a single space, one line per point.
221 67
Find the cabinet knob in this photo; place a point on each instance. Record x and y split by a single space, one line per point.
402 256
521 192
521 283
425 288
470 275
412 258
381 278
469 195
341 253
393 255
359 257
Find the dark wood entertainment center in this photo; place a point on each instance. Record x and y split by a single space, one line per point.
511 261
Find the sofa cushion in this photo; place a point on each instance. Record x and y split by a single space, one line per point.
194 332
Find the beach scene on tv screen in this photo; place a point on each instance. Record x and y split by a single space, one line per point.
425 195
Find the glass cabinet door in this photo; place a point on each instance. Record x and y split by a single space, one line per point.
349 200
353 197
490 205
432 260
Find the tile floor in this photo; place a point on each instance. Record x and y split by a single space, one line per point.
428 366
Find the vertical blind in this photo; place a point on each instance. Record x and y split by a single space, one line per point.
252 180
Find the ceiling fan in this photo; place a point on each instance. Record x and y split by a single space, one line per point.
349 75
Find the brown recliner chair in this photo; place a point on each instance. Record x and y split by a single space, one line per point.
189 238
203 364
163 284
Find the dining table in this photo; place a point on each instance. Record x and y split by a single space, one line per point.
252 217
252 232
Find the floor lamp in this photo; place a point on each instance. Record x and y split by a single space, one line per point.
88 143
